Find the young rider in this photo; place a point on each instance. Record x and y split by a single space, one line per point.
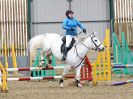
70 24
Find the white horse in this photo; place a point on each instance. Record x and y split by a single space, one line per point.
75 56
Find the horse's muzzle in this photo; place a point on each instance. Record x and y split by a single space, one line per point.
100 50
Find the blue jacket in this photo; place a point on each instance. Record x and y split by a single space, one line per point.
69 23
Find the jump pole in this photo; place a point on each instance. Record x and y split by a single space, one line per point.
122 66
38 78
122 83
33 68
5 70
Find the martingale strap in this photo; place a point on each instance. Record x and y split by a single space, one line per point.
82 59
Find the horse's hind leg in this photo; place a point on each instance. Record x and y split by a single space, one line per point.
77 77
48 57
66 69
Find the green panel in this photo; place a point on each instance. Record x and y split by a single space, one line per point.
42 73
118 56
122 54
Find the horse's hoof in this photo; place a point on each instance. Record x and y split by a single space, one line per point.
61 85
80 85
63 59
90 83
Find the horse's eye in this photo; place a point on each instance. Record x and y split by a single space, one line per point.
95 40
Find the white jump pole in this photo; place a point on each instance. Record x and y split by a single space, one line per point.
33 68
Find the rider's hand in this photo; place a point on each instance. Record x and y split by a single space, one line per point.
72 29
84 30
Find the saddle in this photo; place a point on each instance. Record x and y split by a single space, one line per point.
64 44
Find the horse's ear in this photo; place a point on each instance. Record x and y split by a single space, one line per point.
93 33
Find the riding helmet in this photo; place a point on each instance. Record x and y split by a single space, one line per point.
69 12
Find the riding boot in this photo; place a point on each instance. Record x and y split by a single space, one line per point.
65 54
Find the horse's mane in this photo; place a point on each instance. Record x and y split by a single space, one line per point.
82 38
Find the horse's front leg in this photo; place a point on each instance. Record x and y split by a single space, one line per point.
77 77
66 69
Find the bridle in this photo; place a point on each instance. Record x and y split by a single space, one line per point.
97 46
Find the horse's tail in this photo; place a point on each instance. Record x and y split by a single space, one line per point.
29 44
28 47
33 40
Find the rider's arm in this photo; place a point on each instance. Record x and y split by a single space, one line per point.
65 25
80 25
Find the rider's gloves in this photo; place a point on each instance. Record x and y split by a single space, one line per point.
84 30
72 29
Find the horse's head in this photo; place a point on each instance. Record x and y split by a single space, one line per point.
96 43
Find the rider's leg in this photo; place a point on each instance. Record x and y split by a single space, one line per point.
68 41
76 39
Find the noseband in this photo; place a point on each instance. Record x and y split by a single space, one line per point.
97 46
